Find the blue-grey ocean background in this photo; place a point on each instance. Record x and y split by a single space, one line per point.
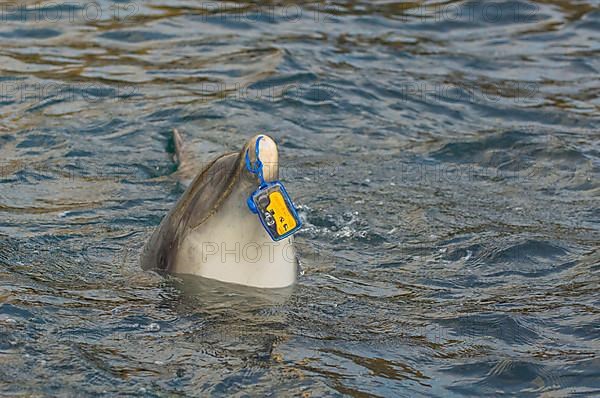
445 157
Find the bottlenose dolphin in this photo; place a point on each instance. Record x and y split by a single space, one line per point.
211 232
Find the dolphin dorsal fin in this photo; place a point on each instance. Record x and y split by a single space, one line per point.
178 143
186 170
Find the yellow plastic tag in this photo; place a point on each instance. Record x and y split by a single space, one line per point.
284 219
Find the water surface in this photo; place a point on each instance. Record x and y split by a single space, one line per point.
445 157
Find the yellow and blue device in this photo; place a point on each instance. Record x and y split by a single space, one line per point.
272 203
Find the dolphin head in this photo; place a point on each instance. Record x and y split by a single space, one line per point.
212 232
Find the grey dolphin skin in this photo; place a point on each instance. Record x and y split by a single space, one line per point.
211 220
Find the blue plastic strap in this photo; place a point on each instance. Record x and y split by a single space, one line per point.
257 167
